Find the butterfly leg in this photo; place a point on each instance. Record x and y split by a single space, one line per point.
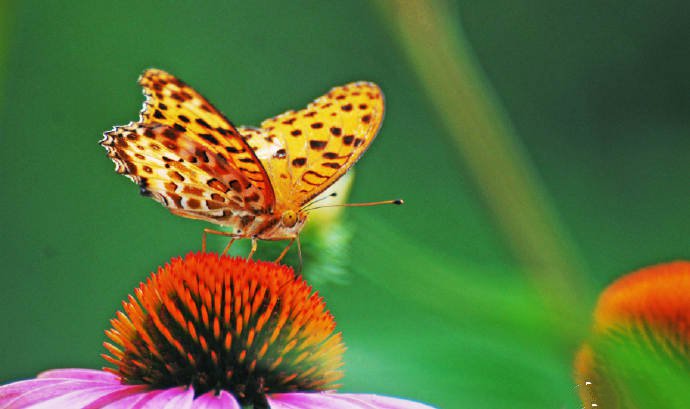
227 248
219 233
299 254
253 250
284 252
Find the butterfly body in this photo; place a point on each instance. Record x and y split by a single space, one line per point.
186 155
264 227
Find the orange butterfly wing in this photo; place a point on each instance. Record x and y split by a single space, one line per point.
143 153
187 156
305 152
271 151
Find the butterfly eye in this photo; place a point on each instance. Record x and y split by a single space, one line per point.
289 218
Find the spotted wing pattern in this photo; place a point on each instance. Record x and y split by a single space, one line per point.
187 156
200 188
306 151
171 102
271 151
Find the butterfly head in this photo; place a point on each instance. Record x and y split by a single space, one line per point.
290 218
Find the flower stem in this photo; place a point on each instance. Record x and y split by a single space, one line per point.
431 36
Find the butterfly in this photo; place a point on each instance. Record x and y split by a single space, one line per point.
259 181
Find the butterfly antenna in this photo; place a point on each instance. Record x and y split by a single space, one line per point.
334 194
384 202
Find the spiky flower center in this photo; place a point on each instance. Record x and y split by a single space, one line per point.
215 323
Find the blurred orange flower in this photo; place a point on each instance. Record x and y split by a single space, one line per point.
643 316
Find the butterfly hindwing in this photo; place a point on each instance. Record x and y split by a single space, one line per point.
144 155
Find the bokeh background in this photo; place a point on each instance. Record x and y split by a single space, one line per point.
542 149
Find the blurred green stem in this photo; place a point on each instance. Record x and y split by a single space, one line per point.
430 35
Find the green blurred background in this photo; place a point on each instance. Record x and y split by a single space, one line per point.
542 149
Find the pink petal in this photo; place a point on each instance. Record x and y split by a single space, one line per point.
180 397
211 400
14 390
384 402
134 401
25 393
80 374
124 395
330 400
76 399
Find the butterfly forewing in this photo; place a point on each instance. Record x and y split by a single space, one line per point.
187 156
171 102
322 141
271 151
